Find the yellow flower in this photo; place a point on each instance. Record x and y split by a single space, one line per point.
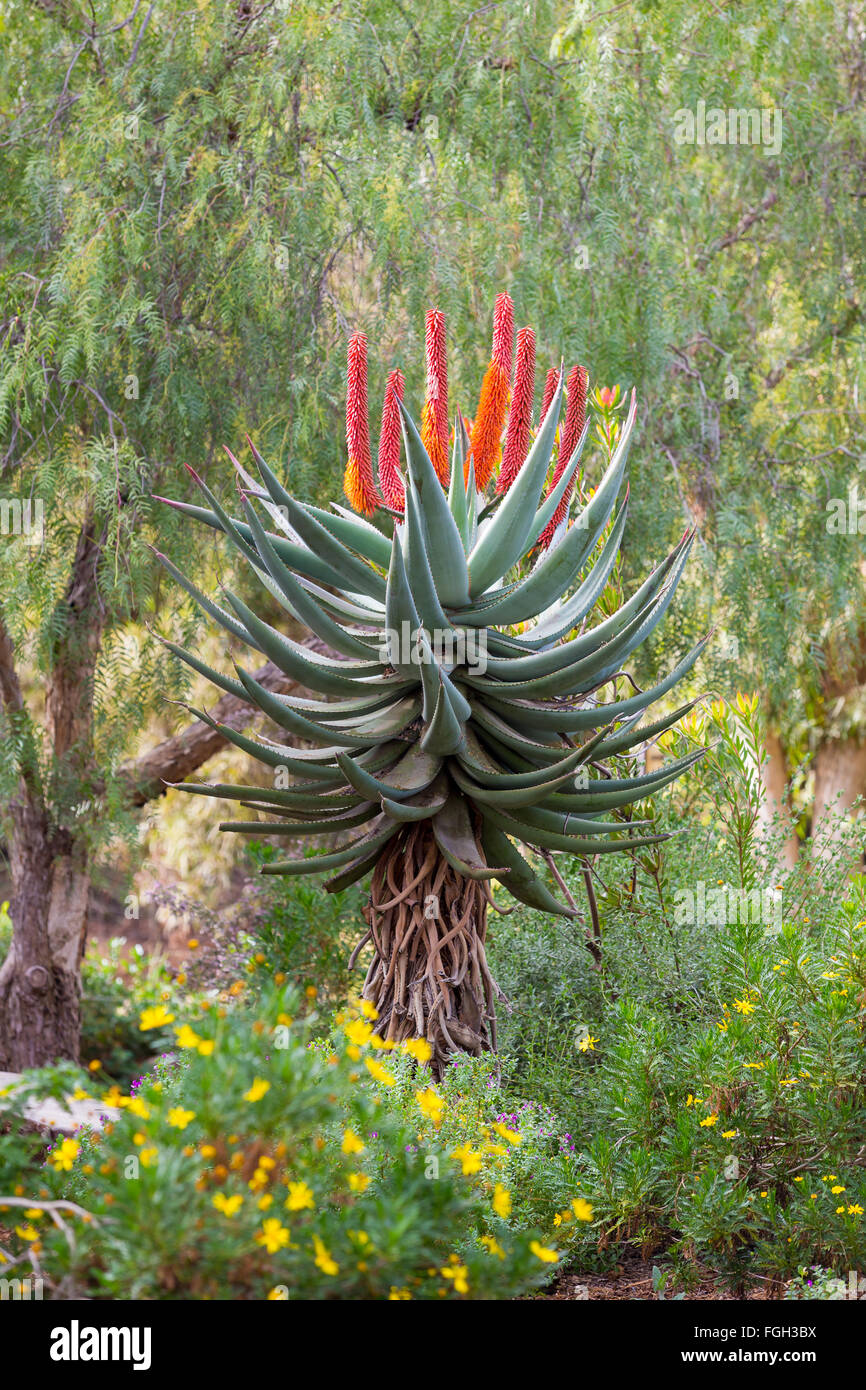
459 1273
709 1121
542 1252
273 1235
300 1196
501 1201
136 1106
186 1036
157 1017
351 1143
431 1104
27 1233
358 1182
257 1090
493 1246
582 1209
732 1134
323 1258
836 1190
470 1160
205 1047
78 1094
744 1006
369 1010
358 1032
227 1205
855 1209
396 1294
510 1134
63 1158
278 1295
378 1072
179 1117
148 1156
264 1202
587 1043
419 1048
94 1065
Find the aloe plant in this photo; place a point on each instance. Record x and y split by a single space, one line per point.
460 736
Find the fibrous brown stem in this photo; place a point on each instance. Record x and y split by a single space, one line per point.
429 975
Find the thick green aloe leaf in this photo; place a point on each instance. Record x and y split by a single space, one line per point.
550 839
355 531
507 798
607 794
278 708
519 879
329 825
222 617
558 567
356 574
442 539
232 687
630 735
457 487
418 571
565 720
508 533
302 602
411 774
422 805
444 733
308 669
547 510
482 768
313 800
366 845
452 830
401 617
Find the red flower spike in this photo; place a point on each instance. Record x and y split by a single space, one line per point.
520 415
575 419
549 391
503 332
358 483
390 439
434 416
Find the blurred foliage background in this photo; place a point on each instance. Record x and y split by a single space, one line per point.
201 202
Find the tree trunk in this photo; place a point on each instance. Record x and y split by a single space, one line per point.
774 776
429 976
840 777
39 980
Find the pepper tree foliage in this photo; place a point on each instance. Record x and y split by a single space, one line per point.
203 201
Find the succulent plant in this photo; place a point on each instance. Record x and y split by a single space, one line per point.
457 734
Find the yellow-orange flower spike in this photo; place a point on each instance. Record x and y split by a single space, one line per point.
390 479
486 441
575 419
520 415
358 483
434 415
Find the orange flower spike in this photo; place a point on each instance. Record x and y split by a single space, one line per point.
434 416
390 480
575 419
358 483
493 402
520 415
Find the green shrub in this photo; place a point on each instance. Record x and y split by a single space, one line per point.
259 1163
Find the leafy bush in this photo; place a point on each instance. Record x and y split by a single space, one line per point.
260 1163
